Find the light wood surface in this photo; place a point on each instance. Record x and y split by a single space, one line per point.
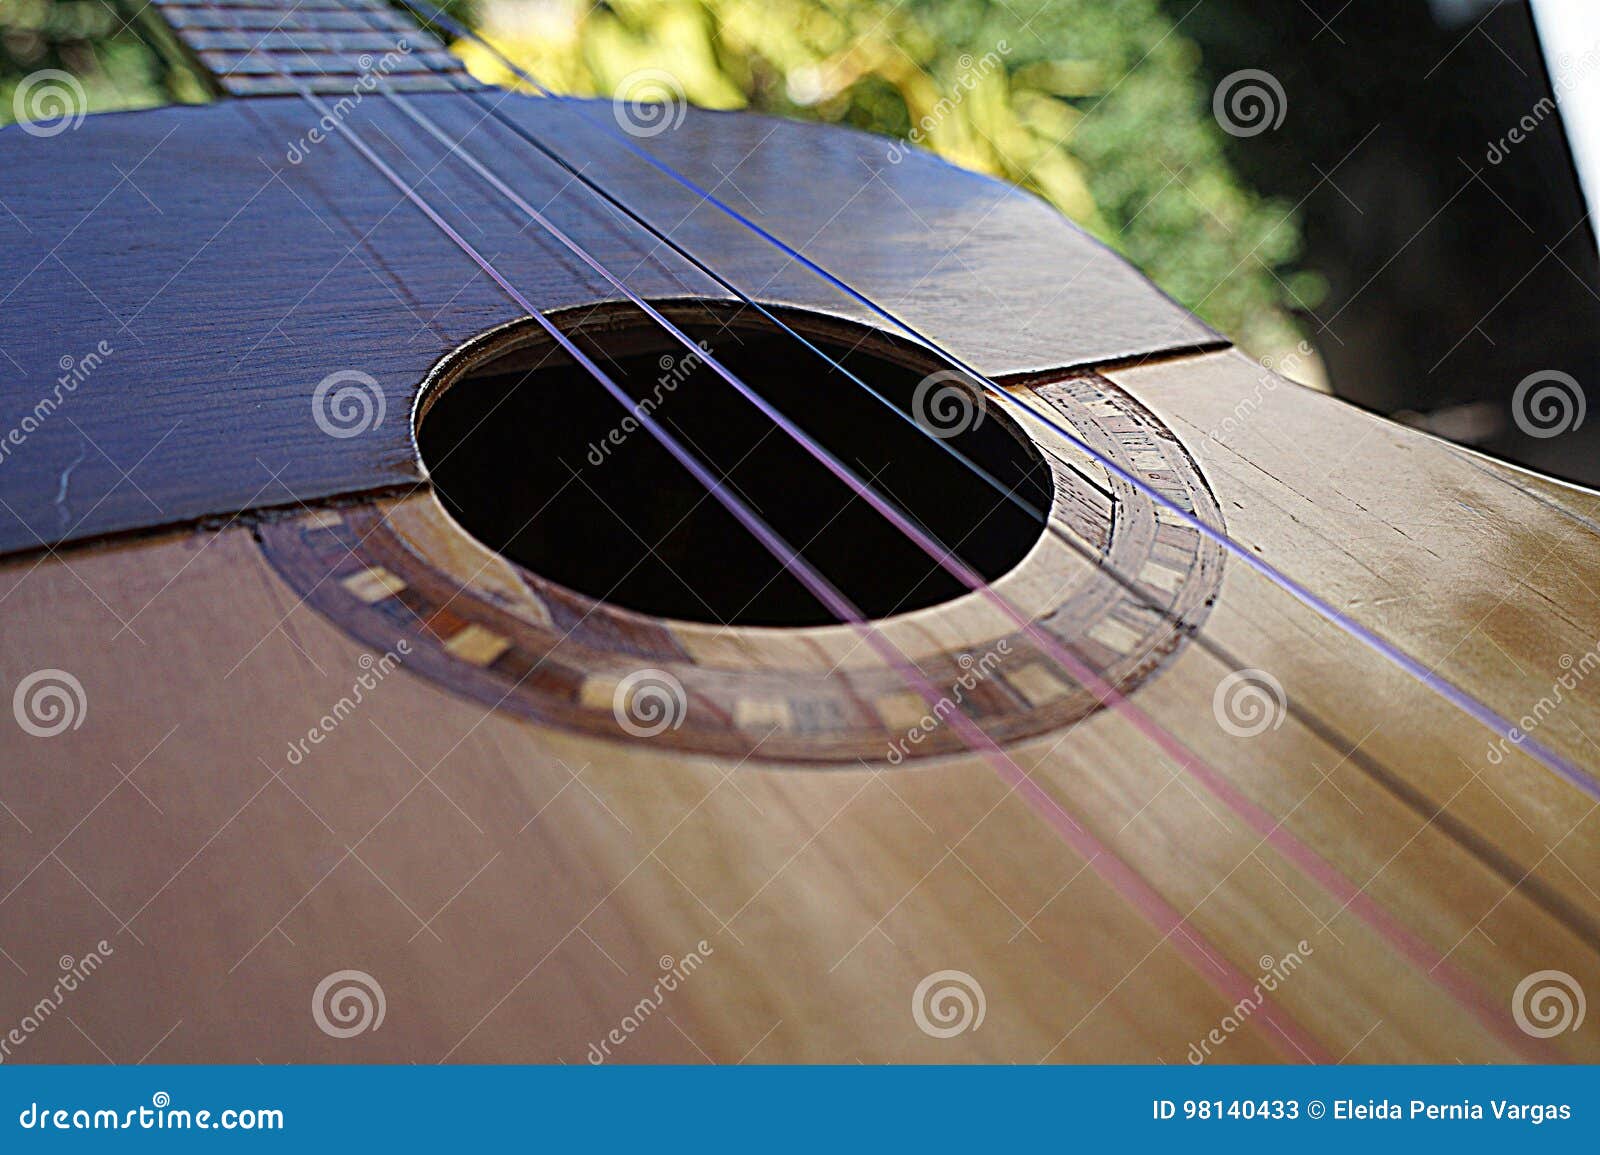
514 886
309 741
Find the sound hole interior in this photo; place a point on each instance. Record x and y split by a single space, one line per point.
539 462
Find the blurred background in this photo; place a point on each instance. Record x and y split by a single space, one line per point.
1379 200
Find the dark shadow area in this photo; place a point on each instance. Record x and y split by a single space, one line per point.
541 465
1459 259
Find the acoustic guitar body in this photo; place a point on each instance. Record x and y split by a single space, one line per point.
326 748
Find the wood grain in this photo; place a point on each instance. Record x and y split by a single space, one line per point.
133 229
264 778
514 888
337 47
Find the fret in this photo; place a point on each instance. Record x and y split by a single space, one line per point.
281 5
262 20
208 40
322 65
247 85
329 46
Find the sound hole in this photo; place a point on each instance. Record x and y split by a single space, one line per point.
533 457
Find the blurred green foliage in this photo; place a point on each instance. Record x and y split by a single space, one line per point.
1099 106
93 41
1102 107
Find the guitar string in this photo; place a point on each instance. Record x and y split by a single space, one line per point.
580 253
1272 831
1259 820
1430 678
1559 908
1203 956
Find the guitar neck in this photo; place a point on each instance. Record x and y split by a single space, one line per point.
330 46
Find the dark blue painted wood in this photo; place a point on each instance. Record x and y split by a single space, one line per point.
204 268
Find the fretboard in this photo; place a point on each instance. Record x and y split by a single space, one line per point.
329 46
